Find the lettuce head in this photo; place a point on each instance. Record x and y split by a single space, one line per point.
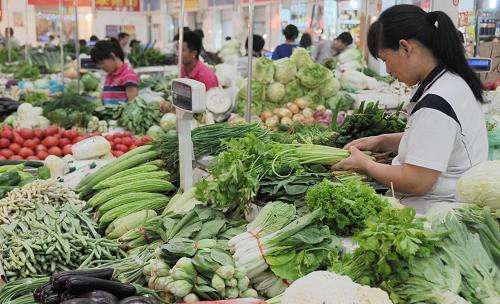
275 92
285 71
301 57
263 70
314 75
293 90
258 91
329 88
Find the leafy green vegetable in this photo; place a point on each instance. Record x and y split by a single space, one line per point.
263 70
293 90
90 83
301 57
329 88
342 101
68 110
275 92
314 75
144 57
27 71
346 206
138 116
331 63
285 71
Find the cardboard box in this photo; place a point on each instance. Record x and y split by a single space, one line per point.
491 50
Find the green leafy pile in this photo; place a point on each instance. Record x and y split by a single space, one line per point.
369 120
15 55
145 57
90 83
35 98
49 62
138 116
314 75
346 206
27 71
390 242
69 110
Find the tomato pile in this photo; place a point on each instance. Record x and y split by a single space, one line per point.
37 144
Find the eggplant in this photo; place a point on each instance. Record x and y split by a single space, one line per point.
40 291
59 279
138 300
81 284
80 301
102 296
46 294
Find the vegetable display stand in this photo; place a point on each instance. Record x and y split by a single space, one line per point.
234 301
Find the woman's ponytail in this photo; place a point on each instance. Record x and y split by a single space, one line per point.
434 30
448 49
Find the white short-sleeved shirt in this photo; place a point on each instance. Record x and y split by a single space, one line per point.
446 132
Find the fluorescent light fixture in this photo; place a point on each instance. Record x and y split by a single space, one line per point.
354 4
493 4
88 17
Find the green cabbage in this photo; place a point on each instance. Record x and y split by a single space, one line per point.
258 91
90 83
481 185
314 97
301 57
285 71
275 92
293 90
329 88
263 70
350 55
168 122
314 75
342 101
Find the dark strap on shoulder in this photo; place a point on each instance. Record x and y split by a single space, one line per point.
436 102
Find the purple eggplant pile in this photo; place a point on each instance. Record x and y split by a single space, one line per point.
88 287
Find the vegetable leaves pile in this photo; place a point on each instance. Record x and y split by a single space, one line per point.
138 116
68 110
347 205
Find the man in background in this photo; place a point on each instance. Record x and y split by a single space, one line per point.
124 40
330 49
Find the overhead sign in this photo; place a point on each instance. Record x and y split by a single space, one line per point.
118 5
189 5
56 3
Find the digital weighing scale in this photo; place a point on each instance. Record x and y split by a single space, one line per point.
188 98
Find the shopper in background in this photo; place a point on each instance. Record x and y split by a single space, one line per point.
51 43
192 67
306 41
124 40
291 32
134 43
9 38
330 49
93 40
446 131
258 46
121 84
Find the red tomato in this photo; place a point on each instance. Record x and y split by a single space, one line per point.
18 139
127 133
2 158
15 147
36 140
67 150
132 147
42 154
137 142
8 134
55 151
57 135
6 153
65 134
121 147
38 133
127 141
77 139
117 140
73 134
7 127
40 147
30 143
117 153
15 157
26 133
25 152
33 157
109 138
52 130
64 141
4 142
50 141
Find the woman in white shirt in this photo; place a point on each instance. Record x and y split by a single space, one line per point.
446 132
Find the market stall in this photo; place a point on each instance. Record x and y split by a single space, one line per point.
226 195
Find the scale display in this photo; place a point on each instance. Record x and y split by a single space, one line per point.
182 96
480 64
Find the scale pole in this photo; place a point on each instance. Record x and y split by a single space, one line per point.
61 34
181 35
77 45
248 114
27 45
9 43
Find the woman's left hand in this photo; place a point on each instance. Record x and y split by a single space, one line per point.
357 161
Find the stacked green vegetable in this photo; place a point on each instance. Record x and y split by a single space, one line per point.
69 110
26 71
138 116
13 176
145 57
42 238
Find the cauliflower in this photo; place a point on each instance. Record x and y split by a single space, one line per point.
368 295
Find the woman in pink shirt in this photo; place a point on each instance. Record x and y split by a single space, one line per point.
192 67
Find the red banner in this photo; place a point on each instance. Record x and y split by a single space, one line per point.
118 5
66 3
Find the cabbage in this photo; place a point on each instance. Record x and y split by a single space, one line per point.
168 122
351 65
90 83
342 101
218 101
354 79
225 74
285 71
350 55
329 88
155 132
293 90
312 76
258 91
301 57
275 92
263 70
314 97
481 185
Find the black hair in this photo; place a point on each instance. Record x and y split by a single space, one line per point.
82 42
227 38
184 30
51 37
94 38
345 37
199 33
11 31
305 41
291 32
193 42
105 49
434 30
461 37
123 35
134 42
258 43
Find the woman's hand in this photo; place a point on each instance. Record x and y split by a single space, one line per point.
357 161
365 144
